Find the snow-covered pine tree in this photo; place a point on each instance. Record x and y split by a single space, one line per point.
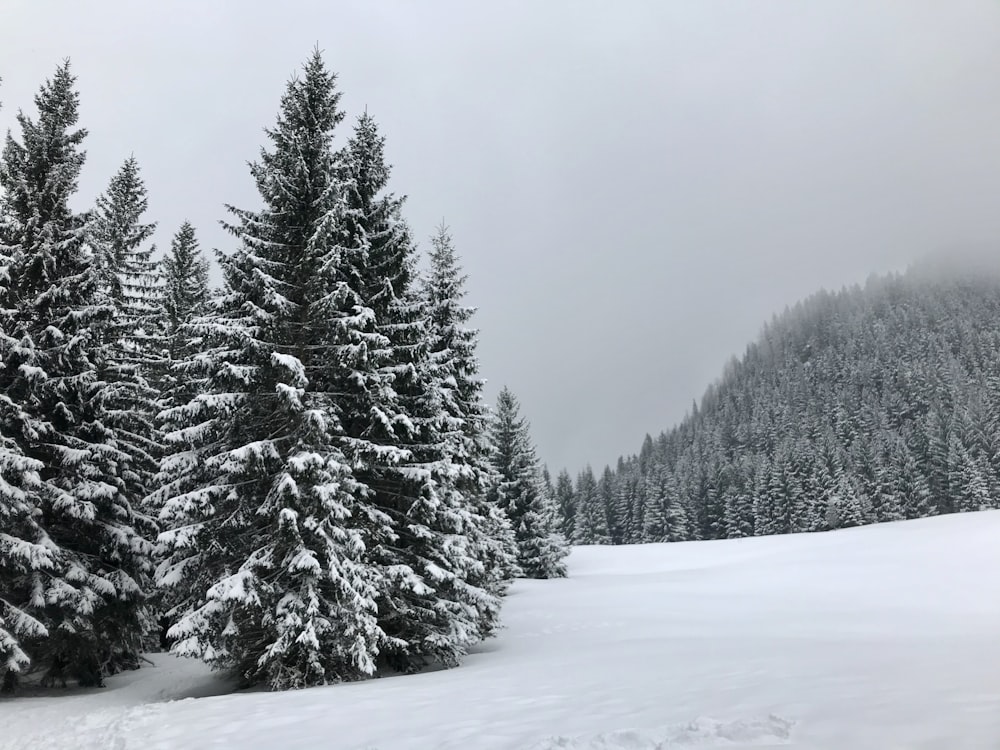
540 548
186 292
676 518
186 296
911 487
565 499
24 556
846 506
25 560
549 493
970 491
87 606
591 523
738 514
129 280
268 536
126 271
606 488
655 527
465 426
431 606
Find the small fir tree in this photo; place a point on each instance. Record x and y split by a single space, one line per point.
519 492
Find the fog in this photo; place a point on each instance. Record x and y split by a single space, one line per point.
635 187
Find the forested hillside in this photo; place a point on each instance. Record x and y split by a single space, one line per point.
872 404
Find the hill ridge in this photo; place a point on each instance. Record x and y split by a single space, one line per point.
875 403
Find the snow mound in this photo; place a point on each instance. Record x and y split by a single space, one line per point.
773 731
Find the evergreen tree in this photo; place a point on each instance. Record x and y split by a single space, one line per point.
186 293
677 522
607 489
435 600
465 418
86 614
519 492
25 560
655 526
565 500
186 298
738 514
846 506
590 521
936 459
268 535
969 487
549 497
911 488
122 260
24 556
128 279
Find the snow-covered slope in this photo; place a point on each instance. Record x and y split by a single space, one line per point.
881 637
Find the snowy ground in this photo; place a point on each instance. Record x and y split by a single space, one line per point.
883 637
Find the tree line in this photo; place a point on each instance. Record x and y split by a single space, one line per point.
876 403
297 469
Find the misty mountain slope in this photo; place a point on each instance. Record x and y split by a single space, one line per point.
869 638
872 404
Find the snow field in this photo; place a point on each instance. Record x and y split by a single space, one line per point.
880 637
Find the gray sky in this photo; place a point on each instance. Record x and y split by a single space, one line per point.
635 187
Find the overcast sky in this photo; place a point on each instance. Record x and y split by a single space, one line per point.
635 187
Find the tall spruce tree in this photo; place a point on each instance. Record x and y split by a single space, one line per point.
186 297
431 603
123 259
465 427
540 549
268 550
24 556
79 564
565 500
25 560
590 520
128 279
186 293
